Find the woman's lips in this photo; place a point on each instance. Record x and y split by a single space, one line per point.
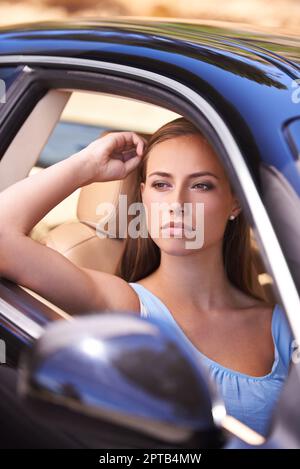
176 228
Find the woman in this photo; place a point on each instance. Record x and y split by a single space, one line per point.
207 293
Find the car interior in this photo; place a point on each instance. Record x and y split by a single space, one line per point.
61 123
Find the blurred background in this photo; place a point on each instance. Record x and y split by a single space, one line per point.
278 15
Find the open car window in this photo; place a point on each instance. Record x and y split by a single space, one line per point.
85 117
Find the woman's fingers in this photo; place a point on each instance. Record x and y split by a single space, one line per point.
123 141
115 154
126 145
132 163
139 142
129 148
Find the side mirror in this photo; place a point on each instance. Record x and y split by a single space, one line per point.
119 379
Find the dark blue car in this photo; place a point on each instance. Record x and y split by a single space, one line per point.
242 89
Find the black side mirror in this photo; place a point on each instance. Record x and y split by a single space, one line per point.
121 381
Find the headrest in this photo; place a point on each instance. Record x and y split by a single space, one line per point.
105 192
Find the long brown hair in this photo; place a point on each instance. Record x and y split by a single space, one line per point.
141 256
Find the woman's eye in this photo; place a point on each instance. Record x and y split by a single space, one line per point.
201 186
205 187
159 185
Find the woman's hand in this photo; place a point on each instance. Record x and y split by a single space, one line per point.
113 156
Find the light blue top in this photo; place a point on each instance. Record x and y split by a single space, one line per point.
250 399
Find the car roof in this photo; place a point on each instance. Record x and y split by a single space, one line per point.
231 37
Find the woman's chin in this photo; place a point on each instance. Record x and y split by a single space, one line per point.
174 246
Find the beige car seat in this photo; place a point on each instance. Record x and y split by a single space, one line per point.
79 241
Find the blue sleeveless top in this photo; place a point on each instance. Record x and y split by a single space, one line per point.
250 399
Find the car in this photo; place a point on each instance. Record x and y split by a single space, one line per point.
240 87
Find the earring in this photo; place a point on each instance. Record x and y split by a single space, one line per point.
232 217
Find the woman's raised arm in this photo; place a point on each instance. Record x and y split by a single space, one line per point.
22 205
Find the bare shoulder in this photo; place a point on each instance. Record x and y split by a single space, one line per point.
258 309
112 293
260 316
262 313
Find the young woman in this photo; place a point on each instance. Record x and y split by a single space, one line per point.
209 293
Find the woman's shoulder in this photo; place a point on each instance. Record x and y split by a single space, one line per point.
257 311
150 303
142 291
272 313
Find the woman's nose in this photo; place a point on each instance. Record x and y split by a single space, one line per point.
176 208
178 195
176 201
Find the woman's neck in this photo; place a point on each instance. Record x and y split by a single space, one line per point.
196 279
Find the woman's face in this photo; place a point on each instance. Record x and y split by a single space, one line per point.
171 182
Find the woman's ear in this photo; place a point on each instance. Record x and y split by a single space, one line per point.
236 207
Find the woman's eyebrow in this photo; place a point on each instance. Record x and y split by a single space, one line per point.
190 176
